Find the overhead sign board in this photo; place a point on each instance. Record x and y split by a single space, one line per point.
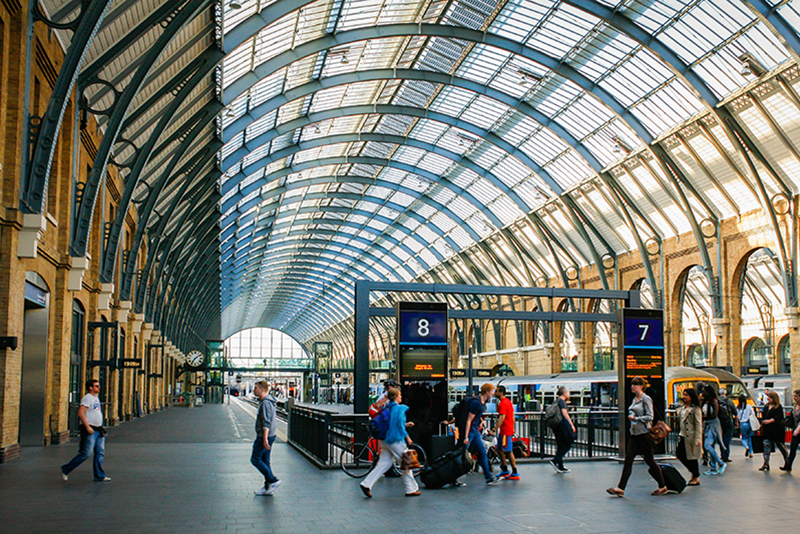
422 340
131 363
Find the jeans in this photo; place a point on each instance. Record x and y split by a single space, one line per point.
476 445
792 451
727 436
260 459
388 452
89 443
637 444
714 461
747 435
564 439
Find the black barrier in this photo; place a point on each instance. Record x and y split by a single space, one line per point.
324 436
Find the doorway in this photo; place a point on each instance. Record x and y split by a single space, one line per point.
34 361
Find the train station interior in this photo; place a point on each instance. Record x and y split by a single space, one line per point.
193 192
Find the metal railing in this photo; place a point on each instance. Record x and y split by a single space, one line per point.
322 436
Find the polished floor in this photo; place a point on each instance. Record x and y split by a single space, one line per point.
188 471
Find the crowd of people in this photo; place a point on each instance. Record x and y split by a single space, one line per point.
706 422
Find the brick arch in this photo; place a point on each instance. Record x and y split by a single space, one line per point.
674 316
733 306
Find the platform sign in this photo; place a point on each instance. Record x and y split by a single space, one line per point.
641 354
422 340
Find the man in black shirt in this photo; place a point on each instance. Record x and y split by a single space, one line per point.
565 433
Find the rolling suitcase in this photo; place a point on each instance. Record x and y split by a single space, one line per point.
446 468
674 480
442 443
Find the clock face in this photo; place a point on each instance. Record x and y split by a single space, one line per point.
195 358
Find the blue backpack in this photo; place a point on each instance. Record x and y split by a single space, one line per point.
379 426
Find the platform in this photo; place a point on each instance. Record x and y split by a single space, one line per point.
187 471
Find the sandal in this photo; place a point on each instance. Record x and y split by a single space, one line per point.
660 491
694 482
616 492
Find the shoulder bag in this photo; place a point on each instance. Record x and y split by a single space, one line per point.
658 431
410 460
755 424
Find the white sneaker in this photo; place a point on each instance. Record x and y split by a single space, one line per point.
64 477
105 479
261 492
272 487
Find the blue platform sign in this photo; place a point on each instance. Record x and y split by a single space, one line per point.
644 332
423 327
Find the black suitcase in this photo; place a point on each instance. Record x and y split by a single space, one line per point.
674 480
446 468
442 444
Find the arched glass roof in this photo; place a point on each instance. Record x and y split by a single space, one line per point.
465 141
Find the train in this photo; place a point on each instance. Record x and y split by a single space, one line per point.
781 384
534 392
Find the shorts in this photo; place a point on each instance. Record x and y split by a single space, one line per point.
505 443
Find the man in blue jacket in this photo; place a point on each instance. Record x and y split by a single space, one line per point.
265 437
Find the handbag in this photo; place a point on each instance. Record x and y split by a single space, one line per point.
755 424
658 432
410 460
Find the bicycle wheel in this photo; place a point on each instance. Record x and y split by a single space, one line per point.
358 460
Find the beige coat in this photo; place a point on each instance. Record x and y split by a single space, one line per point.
691 421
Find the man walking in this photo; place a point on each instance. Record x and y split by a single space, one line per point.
93 435
728 419
505 434
565 433
473 439
265 437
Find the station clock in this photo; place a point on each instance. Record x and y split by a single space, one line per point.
195 358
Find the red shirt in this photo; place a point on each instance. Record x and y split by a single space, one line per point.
507 409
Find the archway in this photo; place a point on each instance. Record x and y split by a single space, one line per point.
762 301
695 309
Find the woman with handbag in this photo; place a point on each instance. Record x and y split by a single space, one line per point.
772 429
712 431
394 446
640 414
690 437
746 415
795 428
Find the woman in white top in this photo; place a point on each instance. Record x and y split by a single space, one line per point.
745 429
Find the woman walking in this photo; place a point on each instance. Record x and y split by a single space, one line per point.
640 414
772 429
745 412
396 443
712 431
690 437
795 426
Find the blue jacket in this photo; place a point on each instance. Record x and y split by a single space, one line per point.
397 422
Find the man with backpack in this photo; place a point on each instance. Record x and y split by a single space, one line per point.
474 408
558 419
728 420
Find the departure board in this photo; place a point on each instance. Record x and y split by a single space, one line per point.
641 354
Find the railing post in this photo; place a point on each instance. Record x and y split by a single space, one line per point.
590 434
541 436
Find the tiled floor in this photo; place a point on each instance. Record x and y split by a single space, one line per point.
188 471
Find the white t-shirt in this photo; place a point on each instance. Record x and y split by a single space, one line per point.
94 414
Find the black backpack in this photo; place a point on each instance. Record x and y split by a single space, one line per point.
460 415
724 414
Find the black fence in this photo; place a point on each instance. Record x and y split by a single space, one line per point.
323 436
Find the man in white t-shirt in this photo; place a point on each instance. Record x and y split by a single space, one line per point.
93 435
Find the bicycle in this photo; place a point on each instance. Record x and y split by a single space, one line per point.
360 458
